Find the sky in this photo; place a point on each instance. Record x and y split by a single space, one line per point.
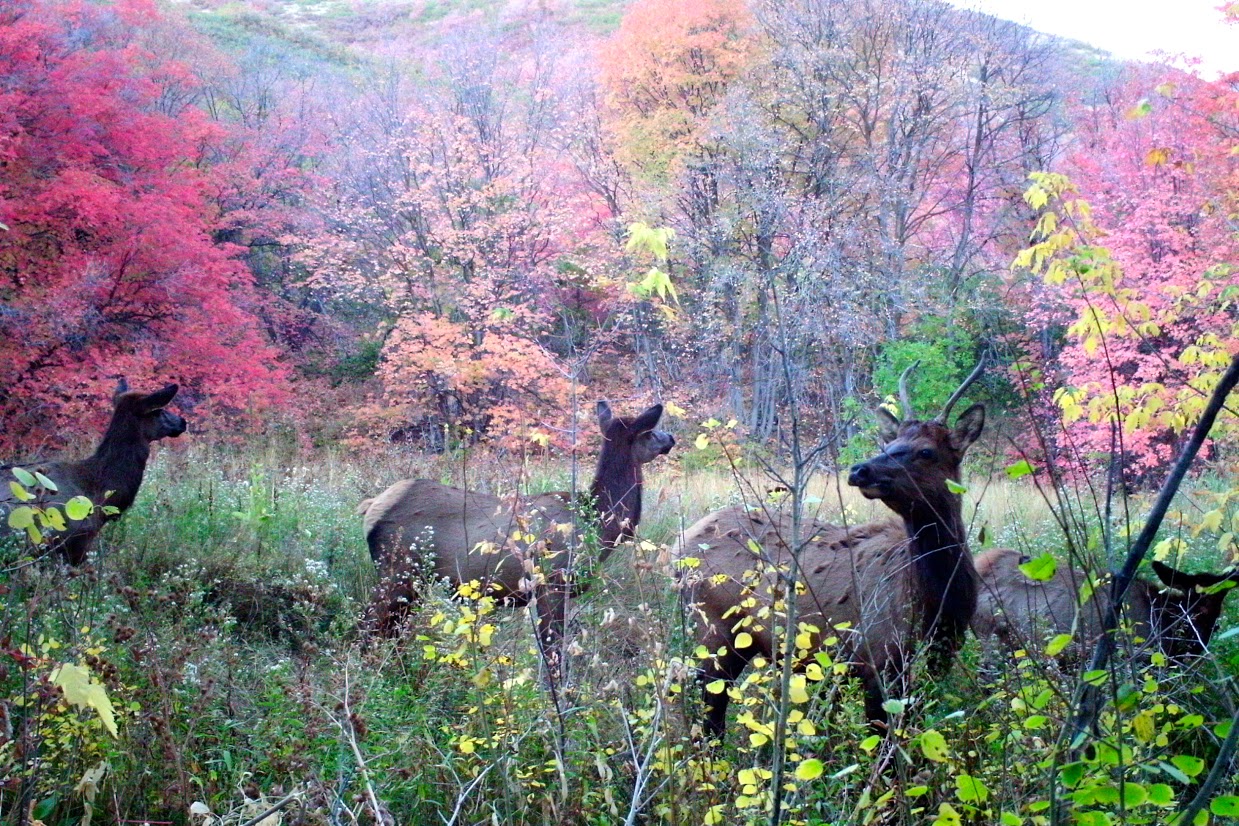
1131 28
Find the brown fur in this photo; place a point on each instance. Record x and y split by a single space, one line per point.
113 474
894 583
418 525
1177 619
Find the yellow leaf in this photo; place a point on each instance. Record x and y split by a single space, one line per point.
1157 156
80 690
702 442
798 693
810 769
933 744
743 640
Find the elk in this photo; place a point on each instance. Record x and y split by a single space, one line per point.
895 584
110 477
1019 611
461 536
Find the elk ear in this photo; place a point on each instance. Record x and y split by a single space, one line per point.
888 426
1188 582
968 427
159 399
648 420
604 415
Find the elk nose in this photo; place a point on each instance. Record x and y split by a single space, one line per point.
860 476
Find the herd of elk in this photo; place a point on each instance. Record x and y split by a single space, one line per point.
1021 612
112 475
519 548
883 588
887 590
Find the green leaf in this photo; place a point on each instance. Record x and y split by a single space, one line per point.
810 769
933 744
893 706
24 476
1225 806
1160 794
19 492
21 518
51 517
1096 677
78 508
970 789
44 808
1019 470
1071 774
1189 765
947 816
1057 644
1041 568
955 487
47 484
82 691
1010 819
1134 795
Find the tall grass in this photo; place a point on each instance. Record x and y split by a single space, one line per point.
220 619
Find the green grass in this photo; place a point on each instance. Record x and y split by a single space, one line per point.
221 619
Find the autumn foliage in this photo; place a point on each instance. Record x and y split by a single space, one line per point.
1139 248
435 246
109 264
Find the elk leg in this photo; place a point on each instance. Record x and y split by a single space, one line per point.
875 696
551 603
726 667
389 607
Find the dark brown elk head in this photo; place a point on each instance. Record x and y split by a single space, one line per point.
144 414
918 457
917 460
627 444
1185 616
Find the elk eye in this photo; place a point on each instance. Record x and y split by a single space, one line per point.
926 453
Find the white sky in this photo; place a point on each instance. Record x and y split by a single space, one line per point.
1131 28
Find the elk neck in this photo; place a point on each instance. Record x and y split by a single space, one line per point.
941 565
616 492
118 464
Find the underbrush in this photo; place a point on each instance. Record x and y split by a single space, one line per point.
215 670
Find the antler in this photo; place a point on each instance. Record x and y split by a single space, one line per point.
905 400
963 388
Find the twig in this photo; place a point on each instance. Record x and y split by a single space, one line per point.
350 736
254 821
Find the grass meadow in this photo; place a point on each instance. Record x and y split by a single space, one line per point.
218 627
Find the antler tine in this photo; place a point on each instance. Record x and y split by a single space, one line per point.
963 388
905 400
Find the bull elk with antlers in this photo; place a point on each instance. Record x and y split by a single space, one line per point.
889 587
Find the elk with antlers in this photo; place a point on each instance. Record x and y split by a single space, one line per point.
887 587
1022 612
462 535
